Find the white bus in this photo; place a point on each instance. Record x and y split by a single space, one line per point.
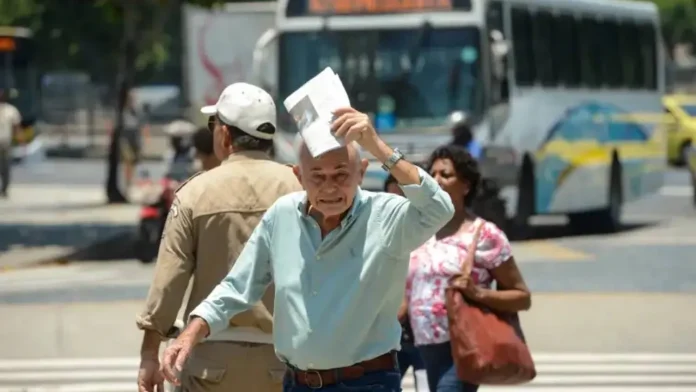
537 75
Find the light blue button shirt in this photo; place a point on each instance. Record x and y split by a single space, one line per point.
336 298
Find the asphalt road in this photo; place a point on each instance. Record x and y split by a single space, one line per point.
603 305
655 252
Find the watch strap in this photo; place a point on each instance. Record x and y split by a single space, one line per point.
393 159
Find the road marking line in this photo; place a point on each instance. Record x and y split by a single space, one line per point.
539 358
657 239
86 387
535 388
553 251
96 277
62 375
676 191
636 379
615 357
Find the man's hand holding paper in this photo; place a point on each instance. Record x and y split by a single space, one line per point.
351 125
312 107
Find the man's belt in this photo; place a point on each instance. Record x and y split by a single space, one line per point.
320 378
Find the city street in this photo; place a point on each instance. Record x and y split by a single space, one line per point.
610 313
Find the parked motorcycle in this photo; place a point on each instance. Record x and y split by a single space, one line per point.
156 200
156 197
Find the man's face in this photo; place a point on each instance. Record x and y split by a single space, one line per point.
332 179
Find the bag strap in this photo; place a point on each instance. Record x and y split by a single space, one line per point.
468 264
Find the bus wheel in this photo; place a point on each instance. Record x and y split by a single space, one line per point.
692 172
684 152
489 205
519 227
606 220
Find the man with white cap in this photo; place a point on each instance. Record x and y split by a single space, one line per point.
211 219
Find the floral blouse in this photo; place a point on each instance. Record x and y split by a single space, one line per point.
435 262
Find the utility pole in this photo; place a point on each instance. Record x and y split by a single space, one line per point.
124 84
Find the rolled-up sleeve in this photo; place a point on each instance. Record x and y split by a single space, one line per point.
244 285
175 264
409 222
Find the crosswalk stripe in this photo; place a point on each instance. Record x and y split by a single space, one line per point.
557 372
633 388
87 387
677 190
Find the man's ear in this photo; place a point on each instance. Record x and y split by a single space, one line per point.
298 172
226 137
363 167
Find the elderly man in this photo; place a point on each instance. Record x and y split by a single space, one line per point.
212 217
338 257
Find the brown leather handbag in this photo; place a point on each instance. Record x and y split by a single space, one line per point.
488 347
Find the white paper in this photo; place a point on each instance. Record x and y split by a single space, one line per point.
312 107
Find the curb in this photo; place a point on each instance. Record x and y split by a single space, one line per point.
84 154
115 247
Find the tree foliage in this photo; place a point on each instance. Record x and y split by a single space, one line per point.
678 21
88 34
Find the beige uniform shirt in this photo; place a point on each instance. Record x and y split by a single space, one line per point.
211 219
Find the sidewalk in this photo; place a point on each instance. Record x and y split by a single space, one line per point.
557 323
48 223
97 147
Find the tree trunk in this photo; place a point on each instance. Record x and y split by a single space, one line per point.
125 82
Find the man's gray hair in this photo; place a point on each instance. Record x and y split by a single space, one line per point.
300 145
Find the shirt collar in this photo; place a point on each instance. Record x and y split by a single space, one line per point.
358 201
246 156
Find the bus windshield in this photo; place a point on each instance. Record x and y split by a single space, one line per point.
17 73
416 77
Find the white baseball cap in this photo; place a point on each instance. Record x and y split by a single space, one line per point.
246 107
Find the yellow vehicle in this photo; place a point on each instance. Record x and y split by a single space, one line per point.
681 126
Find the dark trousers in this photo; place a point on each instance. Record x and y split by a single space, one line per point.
409 357
382 381
439 364
5 167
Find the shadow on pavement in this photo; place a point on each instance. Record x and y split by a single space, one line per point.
81 241
67 207
545 232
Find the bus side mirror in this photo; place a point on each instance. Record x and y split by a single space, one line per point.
264 61
499 51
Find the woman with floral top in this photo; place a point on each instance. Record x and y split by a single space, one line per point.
440 258
408 356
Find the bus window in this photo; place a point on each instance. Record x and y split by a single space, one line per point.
628 52
565 50
17 73
543 36
525 72
498 64
609 52
494 16
589 75
596 37
648 56
425 75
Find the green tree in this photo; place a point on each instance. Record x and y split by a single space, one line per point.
678 21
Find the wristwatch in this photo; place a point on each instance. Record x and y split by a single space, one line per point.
395 157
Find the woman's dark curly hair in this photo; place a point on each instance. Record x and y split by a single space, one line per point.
465 166
390 179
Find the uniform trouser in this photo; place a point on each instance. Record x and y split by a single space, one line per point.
5 166
233 367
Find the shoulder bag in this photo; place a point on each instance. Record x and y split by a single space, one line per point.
488 347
